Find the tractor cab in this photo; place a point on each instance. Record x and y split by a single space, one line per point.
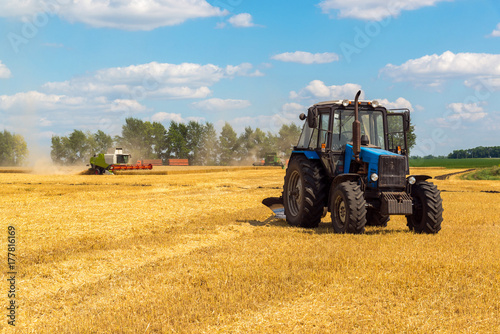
329 132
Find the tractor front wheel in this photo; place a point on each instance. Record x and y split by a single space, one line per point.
427 208
348 208
304 192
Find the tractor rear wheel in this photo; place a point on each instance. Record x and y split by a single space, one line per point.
348 208
375 218
304 192
427 208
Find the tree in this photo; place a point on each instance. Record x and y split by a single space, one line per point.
100 142
78 147
288 137
246 144
137 138
269 144
13 149
194 137
176 140
58 152
228 145
208 144
159 140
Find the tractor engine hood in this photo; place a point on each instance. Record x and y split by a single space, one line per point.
369 155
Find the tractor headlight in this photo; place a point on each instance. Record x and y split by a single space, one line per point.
374 177
375 103
345 103
411 180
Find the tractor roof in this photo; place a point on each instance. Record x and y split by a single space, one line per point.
373 103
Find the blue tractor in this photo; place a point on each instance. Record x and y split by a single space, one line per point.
352 160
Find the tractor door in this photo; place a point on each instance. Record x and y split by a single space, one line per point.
398 125
324 140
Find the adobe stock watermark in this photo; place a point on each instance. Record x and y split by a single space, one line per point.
138 93
483 91
229 5
364 36
32 24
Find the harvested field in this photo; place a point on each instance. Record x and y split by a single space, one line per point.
199 253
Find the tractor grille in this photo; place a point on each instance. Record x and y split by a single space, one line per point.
392 171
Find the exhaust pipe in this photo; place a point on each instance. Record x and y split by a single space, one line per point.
356 130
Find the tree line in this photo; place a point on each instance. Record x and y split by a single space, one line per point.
199 143
477 152
13 149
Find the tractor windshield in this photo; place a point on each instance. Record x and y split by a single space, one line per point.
372 125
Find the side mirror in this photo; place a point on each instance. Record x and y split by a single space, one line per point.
302 116
312 118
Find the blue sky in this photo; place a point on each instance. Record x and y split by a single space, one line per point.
67 64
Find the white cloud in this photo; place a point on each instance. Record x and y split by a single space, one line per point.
33 109
373 10
38 101
101 99
496 32
164 116
4 71
470 112
307 57
293 108
220 25
119 14
318 90
151 80
44 122
244 69
216 104
243 20
400 103
435 69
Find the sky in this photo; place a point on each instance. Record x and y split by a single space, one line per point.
90 64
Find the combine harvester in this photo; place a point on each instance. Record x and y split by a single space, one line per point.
108 163
271 159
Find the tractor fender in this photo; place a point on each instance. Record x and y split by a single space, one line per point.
344 177
311 155
338 180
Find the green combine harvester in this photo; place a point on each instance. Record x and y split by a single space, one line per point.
108 163
271 159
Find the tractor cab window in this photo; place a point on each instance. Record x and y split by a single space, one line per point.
313 138
305 137
372 125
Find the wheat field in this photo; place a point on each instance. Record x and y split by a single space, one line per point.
199 253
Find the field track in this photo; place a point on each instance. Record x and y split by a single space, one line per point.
446 176
199 253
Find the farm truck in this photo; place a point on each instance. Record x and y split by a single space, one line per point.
352 160
107 163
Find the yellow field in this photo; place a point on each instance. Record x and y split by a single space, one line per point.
199 253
